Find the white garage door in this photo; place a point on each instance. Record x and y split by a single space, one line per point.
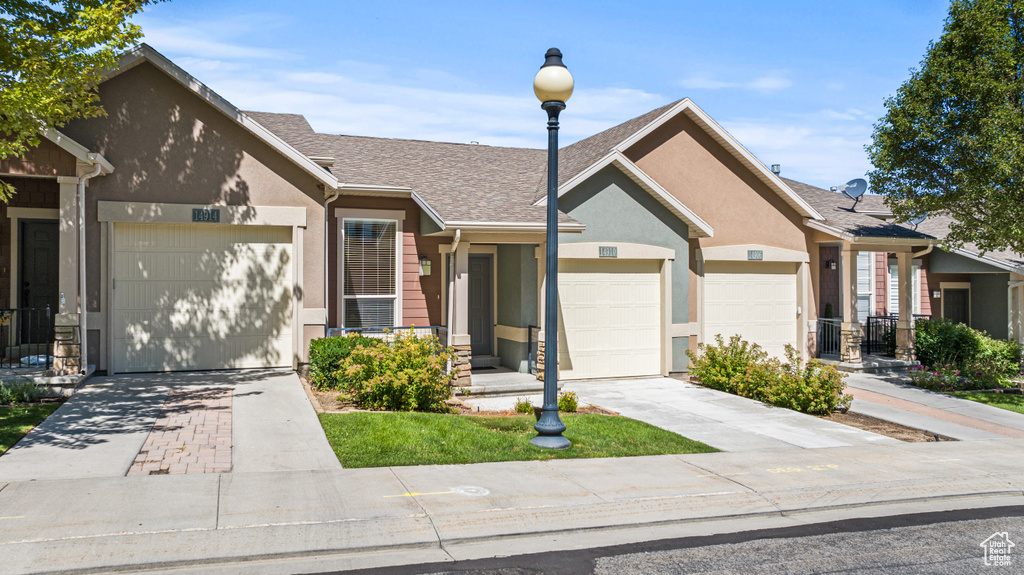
610 323
755 300
201 296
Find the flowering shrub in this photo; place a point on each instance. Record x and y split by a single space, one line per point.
745 369
407 374
982 362
568 402
942 377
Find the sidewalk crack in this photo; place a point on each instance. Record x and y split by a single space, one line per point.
581 486
751 489
220 477
440 543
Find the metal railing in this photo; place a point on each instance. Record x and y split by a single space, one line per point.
532 347
26 338
829 330
880 335
388 333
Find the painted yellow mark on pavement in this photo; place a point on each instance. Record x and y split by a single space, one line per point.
14 517
724 474
828 467
937 460
415 494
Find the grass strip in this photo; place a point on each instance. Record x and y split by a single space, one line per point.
16 421
396 439
1011 402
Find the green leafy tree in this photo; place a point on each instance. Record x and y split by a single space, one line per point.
52 55
952 139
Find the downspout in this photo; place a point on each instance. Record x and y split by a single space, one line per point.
327 258
1009 308
923 252
82 307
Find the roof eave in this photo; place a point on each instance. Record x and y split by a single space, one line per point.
854 239
77 150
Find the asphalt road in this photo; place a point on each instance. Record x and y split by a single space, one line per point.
947 543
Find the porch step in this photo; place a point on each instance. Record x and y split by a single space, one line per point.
503 389
479 361
869 364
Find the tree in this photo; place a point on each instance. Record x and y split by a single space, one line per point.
52 56
952 139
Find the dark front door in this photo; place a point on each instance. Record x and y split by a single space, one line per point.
39 263
481 308
956 305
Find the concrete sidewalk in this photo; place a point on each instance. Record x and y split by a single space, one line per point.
373 517
891 397
721 420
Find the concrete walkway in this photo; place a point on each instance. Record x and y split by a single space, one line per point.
352 518
890 396
719 419
101 430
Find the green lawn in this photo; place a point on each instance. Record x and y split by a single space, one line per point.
1008 401
395 439
16 421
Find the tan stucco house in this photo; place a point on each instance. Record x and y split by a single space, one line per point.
215 238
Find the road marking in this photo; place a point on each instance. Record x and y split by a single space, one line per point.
937 460
14 517
724 474
415 494
828 467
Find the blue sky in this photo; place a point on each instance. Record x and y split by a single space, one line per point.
799 83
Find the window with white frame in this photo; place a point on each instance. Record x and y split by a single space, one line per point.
369 272
865 285
894 289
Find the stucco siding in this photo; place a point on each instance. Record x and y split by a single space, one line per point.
516 292
988 304
698 171
615 209
943 262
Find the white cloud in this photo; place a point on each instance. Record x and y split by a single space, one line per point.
772 82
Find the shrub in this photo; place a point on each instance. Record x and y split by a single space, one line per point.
745 369
326 354
568 402
407 374
982 362
523 405
21 392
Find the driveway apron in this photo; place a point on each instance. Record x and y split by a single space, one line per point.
144 424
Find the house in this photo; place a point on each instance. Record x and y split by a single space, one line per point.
214 238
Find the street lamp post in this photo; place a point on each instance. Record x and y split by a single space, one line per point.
553 86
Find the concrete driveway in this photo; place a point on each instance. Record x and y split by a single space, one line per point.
719 419
264 417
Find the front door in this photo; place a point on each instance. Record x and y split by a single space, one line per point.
481 308
39 264
956 305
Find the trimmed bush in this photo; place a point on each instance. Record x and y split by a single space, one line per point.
568 402
744 369
981 361
326 354
12 392
523 405
407 374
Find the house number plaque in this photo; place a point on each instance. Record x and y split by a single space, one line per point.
206 215
607 251
755 255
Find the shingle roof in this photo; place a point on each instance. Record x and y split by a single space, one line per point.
938 226
839 214
292 128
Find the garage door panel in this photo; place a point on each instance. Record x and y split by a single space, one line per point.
202 296
755 300
610 318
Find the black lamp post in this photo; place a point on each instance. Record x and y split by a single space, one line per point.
553 86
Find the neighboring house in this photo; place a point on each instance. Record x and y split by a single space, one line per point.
216 238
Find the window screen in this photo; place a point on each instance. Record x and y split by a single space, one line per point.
369 263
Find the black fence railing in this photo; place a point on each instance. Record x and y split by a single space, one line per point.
388 333
532 347
880 335
829 336
26 338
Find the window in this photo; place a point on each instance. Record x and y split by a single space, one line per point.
865 285
369 272
894 289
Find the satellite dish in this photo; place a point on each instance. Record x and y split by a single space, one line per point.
855 188
917 219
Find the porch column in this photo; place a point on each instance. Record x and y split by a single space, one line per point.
905 321
67 344
460 315
850 332
541 253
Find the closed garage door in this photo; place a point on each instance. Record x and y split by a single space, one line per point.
755 300
194 296
610 318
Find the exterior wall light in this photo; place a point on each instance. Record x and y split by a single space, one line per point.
830 264
424 265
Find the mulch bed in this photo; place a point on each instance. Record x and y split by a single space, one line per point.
893 430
